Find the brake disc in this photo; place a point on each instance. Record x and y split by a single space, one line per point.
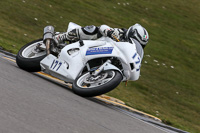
95 79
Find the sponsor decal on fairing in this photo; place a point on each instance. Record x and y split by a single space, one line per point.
100 50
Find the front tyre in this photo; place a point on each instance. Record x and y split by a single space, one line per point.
29 56
88 85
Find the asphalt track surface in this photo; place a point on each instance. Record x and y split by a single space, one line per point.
32 104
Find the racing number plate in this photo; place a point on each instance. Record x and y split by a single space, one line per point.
56 65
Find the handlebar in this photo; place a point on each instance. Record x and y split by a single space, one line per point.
116 38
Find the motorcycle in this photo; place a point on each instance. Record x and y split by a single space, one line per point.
94 67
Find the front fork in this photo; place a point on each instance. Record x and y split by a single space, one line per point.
106 66
100 69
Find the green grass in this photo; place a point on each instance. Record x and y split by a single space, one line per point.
172 94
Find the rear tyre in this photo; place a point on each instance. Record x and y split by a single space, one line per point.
87 85
29 57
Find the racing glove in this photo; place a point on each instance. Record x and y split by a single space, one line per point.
115 34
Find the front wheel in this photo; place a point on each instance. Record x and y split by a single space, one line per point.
29 56
88 85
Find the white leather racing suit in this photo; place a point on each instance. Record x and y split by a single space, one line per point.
93 32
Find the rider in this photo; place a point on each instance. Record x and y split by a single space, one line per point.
135 33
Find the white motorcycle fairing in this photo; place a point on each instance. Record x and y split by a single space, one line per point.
74 57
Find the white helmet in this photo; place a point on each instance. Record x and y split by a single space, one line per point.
138 33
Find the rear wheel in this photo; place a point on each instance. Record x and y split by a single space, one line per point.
88 85
30 55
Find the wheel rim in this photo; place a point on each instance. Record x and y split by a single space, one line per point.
89 81
32 51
